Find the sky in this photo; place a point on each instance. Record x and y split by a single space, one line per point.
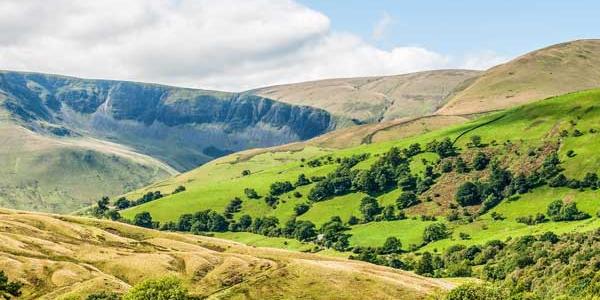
239 45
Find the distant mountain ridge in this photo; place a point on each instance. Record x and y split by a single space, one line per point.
65 142
375 99
139 115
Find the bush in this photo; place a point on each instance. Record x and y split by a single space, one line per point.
480 161
468 194
168 288
302 180
406 199
434 232
369 207
251 193
474 291
301 208
143 219
278 188
558 211
9 288
179 189
391 245
103 296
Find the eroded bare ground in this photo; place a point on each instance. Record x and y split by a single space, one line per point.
58 256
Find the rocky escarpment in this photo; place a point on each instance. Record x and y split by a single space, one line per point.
183 127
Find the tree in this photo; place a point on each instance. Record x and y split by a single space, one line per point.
392 245
246 172
113 214
461 166
406 199
244 223
425 265
122 203
475 141
179 189
167 288
558 211
103 296
143 219
480 161
304 231
280 187
301 208
234 206
251 193
9 288
468 194
369 207
302 180
476 291
445 148
389 213
435 232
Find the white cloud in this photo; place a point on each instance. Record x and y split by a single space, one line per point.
226 44
381 26
482 60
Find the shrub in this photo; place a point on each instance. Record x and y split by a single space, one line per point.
251 193
168 288
406 199
434 232
143 219
9 288
179 189
369 207
302 180
475 291
301 208
558 211
391 245
278 188
480 161
103 296
468 194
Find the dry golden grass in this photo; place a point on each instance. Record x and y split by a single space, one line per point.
70 257
551 71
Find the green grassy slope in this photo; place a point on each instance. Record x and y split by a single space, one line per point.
535 126
45 173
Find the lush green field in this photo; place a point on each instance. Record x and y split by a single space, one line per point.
523 129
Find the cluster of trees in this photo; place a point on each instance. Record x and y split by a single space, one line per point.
535 267
390 171
123 203
559 211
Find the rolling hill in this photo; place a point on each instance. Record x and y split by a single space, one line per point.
375 99
60 257
551 71
533 155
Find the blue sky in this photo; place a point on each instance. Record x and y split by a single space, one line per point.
236 45
508 28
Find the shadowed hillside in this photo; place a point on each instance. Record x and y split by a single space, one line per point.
66 141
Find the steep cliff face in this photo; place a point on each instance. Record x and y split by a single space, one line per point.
183 127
